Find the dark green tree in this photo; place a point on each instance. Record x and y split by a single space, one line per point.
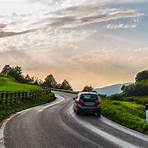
88 88
58 86
16 72
65 85
142 76
28 79
50 81
123 87
6 70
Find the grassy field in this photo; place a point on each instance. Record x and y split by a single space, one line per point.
9 84
128 114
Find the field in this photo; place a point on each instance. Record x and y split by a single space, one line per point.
15 96
9 84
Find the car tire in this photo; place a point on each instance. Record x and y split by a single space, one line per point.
77 112
99 114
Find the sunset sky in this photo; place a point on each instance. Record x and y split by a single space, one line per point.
87 42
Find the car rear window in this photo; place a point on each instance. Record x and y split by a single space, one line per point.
88 96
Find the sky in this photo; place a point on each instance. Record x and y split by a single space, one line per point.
98 43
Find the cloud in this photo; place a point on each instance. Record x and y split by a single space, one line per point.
125 1
8 34
67 39
121 26
80 16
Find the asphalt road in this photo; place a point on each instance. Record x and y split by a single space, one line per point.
56 126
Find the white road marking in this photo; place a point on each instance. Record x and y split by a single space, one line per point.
38 108
125 130
59 100
105 135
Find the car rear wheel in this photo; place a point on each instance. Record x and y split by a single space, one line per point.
99 114
77 112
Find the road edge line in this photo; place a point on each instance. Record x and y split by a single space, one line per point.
2 128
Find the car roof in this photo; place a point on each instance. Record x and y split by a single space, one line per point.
95 93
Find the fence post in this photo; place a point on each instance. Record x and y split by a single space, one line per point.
10 97
6 97
15 94
1 98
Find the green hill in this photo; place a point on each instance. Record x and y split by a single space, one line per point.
10 84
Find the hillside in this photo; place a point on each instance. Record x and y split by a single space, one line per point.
9 84
110 90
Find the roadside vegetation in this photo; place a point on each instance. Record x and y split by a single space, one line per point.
19 92
131 115
16 96
17 75
10 84
88 88
128 108
8 109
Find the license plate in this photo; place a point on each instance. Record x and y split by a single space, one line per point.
89 103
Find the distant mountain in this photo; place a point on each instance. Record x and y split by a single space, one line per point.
110 90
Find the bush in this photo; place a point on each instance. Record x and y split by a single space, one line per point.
7 110
116 96
127 114
138 100
137 89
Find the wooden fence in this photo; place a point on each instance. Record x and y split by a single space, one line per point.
21 96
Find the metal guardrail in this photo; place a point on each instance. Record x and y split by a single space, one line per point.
67 91
21 96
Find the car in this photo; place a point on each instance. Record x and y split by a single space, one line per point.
87 102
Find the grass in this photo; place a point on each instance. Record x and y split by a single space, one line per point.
138 100
128 114
7 110
10 84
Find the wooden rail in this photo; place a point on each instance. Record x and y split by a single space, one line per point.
21 96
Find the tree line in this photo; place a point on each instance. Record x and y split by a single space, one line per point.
49 82
140 87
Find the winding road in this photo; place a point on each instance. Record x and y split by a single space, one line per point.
56 126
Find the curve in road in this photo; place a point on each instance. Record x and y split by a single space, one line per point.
56 126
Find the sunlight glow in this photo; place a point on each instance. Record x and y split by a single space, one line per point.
18 7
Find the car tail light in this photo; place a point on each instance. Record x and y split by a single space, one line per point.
97 101
80 102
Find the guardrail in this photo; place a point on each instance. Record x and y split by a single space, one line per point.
21 96
67 91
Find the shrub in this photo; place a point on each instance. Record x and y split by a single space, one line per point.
137 89
128 114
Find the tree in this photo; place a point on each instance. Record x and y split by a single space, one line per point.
16 72
123 87
137 89
142 76
6 70
65 85
58 86
50 81
29 79
88 88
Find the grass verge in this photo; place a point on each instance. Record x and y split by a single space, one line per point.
138 100
128 114
10 84
7 110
